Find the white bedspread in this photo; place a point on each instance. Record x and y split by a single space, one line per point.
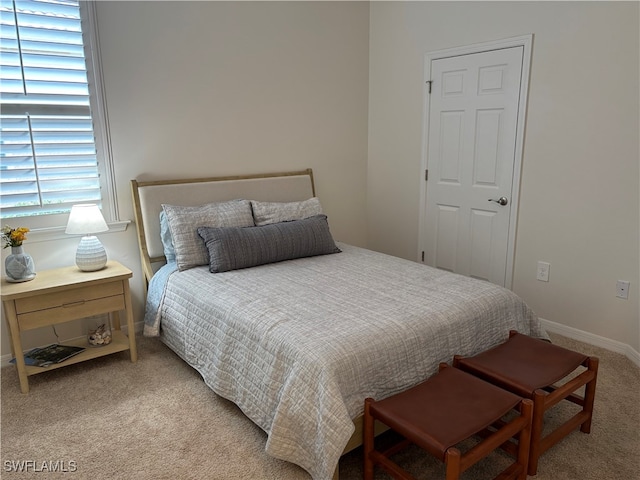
298 345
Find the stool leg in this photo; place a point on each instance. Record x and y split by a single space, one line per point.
452 459
590 394
536 430
368 440
524 438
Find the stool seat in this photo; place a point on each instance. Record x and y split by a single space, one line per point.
465 406
443 411
531 367
524 364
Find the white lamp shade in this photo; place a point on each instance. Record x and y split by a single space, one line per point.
85 219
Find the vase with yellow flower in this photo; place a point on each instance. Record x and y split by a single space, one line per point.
19 265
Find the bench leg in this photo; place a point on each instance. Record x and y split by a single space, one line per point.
536 431
452 459
368 440
524 438
590 394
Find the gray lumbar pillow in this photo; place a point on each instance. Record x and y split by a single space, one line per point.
232 248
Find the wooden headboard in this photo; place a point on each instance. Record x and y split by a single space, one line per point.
149 196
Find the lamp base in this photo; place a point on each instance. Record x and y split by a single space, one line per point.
91 255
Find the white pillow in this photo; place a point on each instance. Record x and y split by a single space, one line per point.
184 222
265 213
165 236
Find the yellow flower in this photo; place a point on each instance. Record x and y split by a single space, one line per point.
13 237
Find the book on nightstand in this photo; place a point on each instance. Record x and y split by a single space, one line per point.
45 356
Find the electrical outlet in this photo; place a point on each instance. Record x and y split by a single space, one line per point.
543 271
622 289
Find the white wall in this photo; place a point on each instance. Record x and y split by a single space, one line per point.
215 88
212 88
579 205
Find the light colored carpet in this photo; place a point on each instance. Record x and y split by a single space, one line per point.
156 419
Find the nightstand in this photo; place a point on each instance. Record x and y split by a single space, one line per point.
66 294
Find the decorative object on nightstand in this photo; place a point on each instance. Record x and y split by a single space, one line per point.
47 356
18 266
86 219
100 336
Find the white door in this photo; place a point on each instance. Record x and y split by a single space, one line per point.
473 114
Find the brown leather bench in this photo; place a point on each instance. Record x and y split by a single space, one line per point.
530 367
443 411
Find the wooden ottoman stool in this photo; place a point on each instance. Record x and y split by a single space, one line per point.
443 411
530 367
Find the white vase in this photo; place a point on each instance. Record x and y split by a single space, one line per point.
19 266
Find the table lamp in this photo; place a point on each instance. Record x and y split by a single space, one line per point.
86 219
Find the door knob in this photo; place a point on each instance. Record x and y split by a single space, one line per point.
501 201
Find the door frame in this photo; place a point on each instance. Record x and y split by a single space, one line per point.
525 41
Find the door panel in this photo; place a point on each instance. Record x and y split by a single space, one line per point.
451 135
486 148
447 236
473 115
482 228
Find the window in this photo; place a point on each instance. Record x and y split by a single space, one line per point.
52 140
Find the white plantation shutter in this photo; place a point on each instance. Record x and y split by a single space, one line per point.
48 156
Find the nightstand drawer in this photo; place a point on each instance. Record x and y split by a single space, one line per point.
68 299
70 311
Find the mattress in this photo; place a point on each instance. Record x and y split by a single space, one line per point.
298 345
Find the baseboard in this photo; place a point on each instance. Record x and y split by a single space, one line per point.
6 359
592 339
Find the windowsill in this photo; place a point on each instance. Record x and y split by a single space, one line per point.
57 233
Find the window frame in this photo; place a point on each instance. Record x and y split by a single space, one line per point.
51 227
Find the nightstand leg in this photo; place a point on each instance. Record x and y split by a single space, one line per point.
16 344
115 320
133 351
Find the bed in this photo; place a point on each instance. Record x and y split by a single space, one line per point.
298 342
